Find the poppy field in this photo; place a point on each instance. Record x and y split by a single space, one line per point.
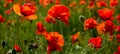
59 26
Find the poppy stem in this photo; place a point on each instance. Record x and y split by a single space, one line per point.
52 25
18 34
91 32
61 29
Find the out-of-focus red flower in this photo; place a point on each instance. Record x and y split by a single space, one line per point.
9 1
113 3
75 37
44 2
91 5
101 4
55 41
1 19
101 28
40 28
95 42
82 2
109 27
59 12
5 5
72 4
27 0
118 50
90 23
17 48
9 22
117 28
105 14
8 12
118 38
27 10
118 17
57 1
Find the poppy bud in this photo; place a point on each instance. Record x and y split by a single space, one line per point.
81 18
3 43
14 51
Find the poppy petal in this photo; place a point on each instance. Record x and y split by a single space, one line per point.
16 8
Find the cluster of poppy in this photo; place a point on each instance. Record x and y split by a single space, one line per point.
62 13
106 26
100 3
55 40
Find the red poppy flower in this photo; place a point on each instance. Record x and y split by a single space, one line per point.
101 4
117 28
90 23
82 2
44 2
8 12
27 10
109 27
113 3
59 12
118 49
17 48
75 37
105 14
118 38
57 1
55 41
91 5
5 5
1 19
40 28
95 42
